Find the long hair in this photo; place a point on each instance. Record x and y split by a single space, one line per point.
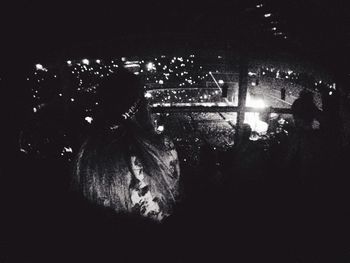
103 171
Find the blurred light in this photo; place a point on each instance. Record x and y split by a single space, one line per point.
69 62
34 109
259 6
39 67
221 81
131 65
161 82
160 128
252 118
273 115
85 61
98 61
123 58
89 119
148 95
281 121
267 15
255 103
132 62
68 149
330 93
150 66
274 28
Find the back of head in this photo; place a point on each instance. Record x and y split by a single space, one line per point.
105 165
303 108
117 94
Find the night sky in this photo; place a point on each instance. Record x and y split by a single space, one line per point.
35 30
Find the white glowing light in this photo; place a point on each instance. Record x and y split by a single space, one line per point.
72 99
331 92
255 103
39 67
89 119
252 118
85 61
131 65
148 95
98 61
68 149
150 66
161 82
160 128
35 110
69 62
221 81
274 28
267 15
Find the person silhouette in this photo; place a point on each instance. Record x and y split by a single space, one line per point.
124 164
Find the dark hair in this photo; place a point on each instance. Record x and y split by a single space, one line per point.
304 108
117 94
246 131
102 171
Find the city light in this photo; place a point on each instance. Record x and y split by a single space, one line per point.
68 149
39 67
150 66
148 95
89 119
160 128
85 61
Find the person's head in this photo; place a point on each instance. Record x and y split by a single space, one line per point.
304 109
306 96
121 98
103 170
